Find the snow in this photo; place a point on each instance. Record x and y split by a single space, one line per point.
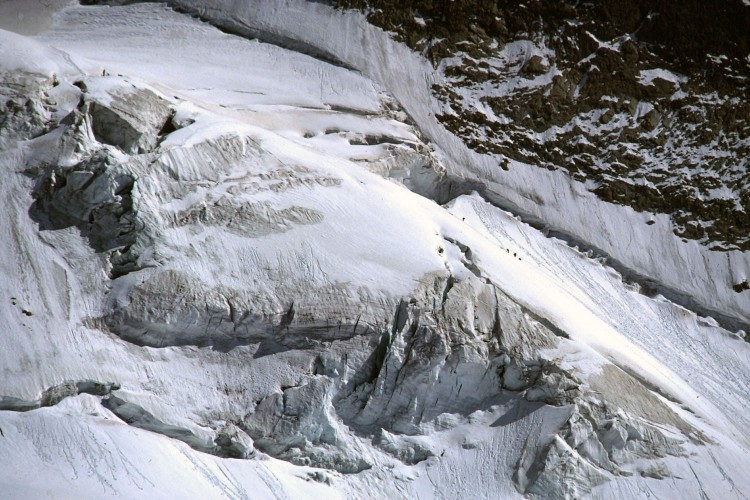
20 53
554 277
685 268
29 18
647 76
80 447
508 61
247 73
261 137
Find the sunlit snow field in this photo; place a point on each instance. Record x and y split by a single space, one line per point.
296 133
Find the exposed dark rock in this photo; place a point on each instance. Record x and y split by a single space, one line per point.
598 96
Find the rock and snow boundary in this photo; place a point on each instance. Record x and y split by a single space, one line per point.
212 290
641 244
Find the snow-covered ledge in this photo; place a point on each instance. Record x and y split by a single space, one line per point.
685 268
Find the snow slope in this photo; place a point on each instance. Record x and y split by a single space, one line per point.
218 283
686 270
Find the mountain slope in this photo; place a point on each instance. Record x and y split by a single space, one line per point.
642 245
235 269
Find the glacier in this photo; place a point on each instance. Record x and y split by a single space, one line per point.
249 262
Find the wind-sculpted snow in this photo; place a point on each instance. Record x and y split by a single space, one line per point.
226 274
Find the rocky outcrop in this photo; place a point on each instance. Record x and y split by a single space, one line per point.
556 85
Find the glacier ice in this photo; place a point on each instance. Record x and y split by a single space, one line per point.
235 269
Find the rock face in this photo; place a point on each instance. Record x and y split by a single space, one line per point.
272 283
560 84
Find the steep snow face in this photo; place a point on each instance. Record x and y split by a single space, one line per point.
642 243
237 283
